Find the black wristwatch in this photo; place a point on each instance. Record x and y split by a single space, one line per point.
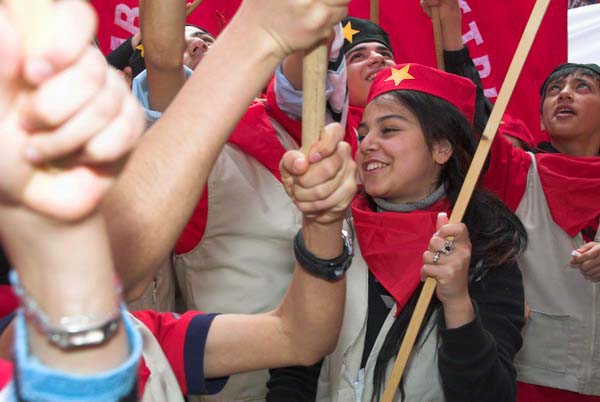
331 270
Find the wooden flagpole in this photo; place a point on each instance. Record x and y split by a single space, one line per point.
437 36
469 184
193 6
374 12
314 72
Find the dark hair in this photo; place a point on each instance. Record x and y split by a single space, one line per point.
566 69
500 236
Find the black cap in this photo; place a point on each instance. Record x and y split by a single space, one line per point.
358 31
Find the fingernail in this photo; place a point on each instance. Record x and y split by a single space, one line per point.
315 157
298 164
37 70
442 214
32 155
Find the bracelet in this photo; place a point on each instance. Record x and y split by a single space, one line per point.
331 270
71 331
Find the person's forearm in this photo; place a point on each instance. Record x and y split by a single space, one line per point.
80 283
163 31
177 154
452 30
315 303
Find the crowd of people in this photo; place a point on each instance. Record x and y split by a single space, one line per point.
169 241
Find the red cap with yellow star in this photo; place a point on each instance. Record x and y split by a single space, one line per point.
456 90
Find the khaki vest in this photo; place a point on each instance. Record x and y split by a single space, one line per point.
245 260
160 293
342 379
561 342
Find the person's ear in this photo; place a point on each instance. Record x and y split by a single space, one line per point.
542 125
442 151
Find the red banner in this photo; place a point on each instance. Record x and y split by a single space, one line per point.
491 30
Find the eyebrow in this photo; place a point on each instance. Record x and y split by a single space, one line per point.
392 116
585 79
358 48
384 118
200 34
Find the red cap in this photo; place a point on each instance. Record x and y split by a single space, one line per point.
456 90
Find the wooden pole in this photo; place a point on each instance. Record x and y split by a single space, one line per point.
437 36
193 6
374 12
466 191
314 72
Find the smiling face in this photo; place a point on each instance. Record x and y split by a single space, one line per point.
363 63
197 43
571 110
394 161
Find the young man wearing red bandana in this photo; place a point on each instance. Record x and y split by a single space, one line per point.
555 192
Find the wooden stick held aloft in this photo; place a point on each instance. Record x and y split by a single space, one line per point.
374 12
531 29
314 73
193 6
437 36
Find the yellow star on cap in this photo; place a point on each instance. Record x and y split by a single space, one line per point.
400 75
349 32
141 49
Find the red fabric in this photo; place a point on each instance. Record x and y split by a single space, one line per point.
256 136
355 114
118 19
571 185
169 330
537 393
195 228
517 129
393 244
8 300
458 91
572 189
6 372
294 127
492 31
507 173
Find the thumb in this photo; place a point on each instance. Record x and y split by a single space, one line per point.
442 219
293 163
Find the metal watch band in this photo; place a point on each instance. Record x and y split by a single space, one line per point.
72 331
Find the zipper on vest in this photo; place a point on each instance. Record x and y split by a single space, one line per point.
359 385
594 329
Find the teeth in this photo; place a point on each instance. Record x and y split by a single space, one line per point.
371 77
569 111
375 165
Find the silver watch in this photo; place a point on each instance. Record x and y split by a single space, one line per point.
73 331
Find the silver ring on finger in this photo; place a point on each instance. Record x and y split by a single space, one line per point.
436 257
448 247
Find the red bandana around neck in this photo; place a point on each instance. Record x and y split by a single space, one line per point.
392 244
